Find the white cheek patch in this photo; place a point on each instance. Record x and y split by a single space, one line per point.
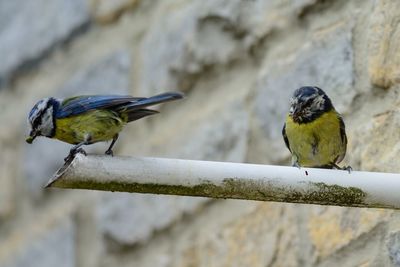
307 113
293 102
41 105
305 99
318 103
47 126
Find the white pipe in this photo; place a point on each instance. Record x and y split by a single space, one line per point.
230 180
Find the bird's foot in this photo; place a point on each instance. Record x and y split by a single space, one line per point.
109 152
73 152
348 168
296 164
345 168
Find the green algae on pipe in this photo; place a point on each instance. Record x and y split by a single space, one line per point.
230 180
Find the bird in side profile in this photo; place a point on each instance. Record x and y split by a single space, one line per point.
314 132
88 119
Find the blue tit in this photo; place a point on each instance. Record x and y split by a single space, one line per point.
84 120
314 132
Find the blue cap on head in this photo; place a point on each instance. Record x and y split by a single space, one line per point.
308 103
307 91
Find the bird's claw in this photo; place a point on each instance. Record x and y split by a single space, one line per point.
73 152
109 152
296 164
347 168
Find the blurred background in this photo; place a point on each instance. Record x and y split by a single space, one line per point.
238 61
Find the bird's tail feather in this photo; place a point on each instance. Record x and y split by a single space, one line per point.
157 99
136 114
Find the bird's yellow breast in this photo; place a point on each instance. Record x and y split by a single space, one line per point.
316 143
94 126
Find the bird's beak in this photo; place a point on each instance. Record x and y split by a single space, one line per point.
31 137
295 112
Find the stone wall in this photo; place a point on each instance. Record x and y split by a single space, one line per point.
238 61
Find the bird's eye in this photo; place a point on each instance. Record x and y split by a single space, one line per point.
308 102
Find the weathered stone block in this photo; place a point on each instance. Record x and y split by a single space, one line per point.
384 43
189 37
340 226
8 176
28 29
381 148
55 247
227 243
393 247
106 11
132 218
41 161
109 75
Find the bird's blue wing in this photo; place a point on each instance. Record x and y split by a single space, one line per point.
81 104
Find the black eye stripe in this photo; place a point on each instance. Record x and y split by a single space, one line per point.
38 120
307 102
